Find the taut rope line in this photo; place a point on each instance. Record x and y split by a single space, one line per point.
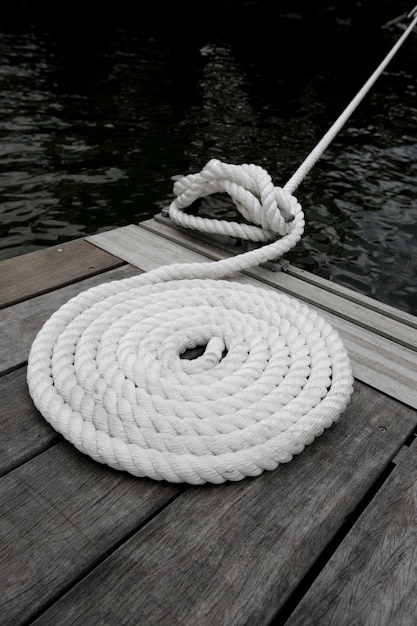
106 370
316 153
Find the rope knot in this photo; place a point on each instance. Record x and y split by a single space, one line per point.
269 211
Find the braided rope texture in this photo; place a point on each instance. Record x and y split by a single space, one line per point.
269 209
108 370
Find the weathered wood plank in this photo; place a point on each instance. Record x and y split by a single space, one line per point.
20 323
31 274
381 363
206 243
372 577
137 245
233 554
376 360
354 296
59 514
24 432
378 318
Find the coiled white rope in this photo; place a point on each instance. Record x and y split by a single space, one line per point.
106 368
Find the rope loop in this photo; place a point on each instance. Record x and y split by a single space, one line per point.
106 370
111 369
269 210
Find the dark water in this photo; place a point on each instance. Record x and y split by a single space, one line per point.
94 124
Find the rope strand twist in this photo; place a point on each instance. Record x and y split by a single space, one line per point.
107 370
270 210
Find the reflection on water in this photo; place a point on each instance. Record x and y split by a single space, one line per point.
91 135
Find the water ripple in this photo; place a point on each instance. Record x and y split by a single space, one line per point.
90 136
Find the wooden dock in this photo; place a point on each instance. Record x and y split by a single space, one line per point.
327 539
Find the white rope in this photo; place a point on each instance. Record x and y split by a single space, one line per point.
318 150
269 215
106 370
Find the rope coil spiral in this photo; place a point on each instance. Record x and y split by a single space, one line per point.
107 370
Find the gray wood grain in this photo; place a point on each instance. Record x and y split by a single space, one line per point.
31 274
20 323
207 242
364 312
81 543
60 514
372 577
232 554
387 364
24 432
